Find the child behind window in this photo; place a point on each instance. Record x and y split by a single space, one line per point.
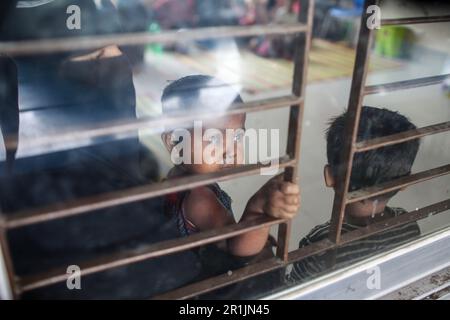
369 168
209 207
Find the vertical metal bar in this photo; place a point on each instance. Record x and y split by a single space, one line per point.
303 43
7 278
352 124
284 232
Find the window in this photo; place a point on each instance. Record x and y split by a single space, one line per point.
84 163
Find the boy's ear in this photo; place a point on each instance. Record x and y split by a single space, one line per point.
167 141
328 176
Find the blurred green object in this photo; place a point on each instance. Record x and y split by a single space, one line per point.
391 41
446 83
446 87
155 47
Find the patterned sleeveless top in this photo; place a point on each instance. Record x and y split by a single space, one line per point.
174 207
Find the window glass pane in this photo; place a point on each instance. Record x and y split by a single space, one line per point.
103 121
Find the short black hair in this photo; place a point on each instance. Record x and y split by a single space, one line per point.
379 165
188 93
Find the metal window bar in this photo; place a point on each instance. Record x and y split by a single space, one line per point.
303 31
402 137
149 251
147 123
102 201
407 84
415 20
129 39
358 90
396 184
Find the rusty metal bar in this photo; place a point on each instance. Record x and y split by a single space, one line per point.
397 184
415 20
211 284
120 127
165 37
301 56
352 123
409 217
79 206
148 252
256 269
284 233
222 280
406 84
402 137
303 44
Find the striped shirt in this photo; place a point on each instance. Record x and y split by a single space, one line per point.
350 253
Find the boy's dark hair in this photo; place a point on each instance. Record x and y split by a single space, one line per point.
196 92
378 165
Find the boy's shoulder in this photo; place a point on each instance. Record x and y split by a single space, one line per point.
321 232
316 234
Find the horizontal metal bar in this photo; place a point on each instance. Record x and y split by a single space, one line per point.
429 254
115 128
406 84
397 184
402 137
148 252
249 271
415 20
374 228
83 205
244 273
403 219
44 46
222 280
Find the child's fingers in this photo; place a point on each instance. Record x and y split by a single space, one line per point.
292 199
290 209
280 213
273 211
283 214
289 216
290 188
282 203
276 200
279 199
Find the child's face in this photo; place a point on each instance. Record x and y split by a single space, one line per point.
218 145
223 147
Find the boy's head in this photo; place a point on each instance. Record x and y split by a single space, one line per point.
374 166
215 142
198 93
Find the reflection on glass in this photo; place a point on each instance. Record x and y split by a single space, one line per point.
64 93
